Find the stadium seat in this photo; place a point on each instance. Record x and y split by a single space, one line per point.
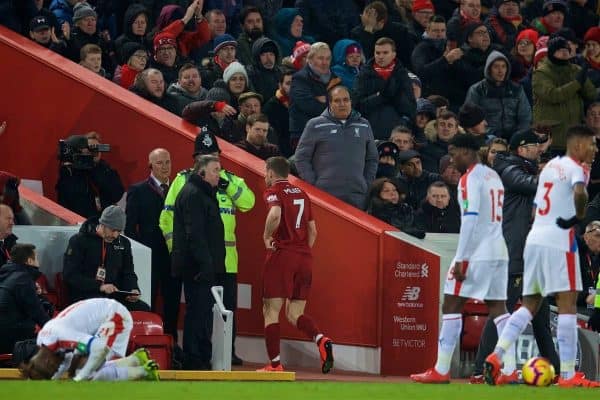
147 332
6 360
472 330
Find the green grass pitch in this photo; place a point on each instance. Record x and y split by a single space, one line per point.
30 390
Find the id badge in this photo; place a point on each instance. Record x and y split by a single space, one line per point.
98 204
101 274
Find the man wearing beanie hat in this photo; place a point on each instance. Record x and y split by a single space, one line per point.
233 195
553 17
560 89
98 262
388 160
265 69
504 102
472 118
422 11
299 53
166 58
225 48
376 24
505 22
469 12
591 54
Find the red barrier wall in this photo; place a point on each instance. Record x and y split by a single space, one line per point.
46 97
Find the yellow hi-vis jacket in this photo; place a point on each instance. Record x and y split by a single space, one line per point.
237 197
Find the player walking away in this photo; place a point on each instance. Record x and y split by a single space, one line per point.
480 266
137 365
97 328
290 233
551 256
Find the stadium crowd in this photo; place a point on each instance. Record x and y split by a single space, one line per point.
362 96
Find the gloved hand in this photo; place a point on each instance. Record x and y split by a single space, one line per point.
223 184
582 74
567 223
594 321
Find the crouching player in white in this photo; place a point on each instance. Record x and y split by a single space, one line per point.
480 266
97 329
551 259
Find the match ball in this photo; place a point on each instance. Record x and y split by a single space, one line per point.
538 371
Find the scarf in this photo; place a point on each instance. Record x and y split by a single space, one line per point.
282 98
220 63
594 62
495 22
384 72
128 75
324 78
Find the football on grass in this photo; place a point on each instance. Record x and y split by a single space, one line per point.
538 371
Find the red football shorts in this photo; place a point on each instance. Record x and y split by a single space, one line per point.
288 275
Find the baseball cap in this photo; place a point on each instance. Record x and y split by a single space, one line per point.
523 138
39 23
407 155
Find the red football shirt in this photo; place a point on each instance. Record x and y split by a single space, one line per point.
296 212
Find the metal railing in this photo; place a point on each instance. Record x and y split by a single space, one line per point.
222 332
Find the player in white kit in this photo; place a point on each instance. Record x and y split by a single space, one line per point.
480 266
97 328
551 259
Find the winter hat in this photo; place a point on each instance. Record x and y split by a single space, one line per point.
83 10
113 217
300 49
222 41
539 55
164 39
557 43
523 138
219 92
414 79
39 22
249 95
470 115
419 5
129 50
232 69
592 34
469 29
566 33
530 34
425 106
388 149
407 155
353 49
554 5
206 142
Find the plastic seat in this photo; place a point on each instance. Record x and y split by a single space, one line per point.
472 329
148 332
146 323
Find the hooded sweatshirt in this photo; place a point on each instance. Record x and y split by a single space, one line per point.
265 81
347 73
133 11
282 34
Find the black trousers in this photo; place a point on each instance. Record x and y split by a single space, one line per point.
14 333
170 288
229 283
540 324
197 328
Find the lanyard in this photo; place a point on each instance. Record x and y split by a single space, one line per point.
103 253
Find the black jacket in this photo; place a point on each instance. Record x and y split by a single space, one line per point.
79 39
431 154
405 40
77 189
399 215
433 69
145 202
84 256
265 81
385 103
167 101
198 233
5 247
279 118
133 11
19 302
437 220
199 114
210 73
417 187
519 177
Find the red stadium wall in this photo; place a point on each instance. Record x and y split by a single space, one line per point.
45 98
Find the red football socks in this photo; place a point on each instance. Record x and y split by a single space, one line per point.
307 325
272 337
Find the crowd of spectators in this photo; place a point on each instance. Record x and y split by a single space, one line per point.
363 96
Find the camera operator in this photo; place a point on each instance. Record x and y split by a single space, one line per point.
86 183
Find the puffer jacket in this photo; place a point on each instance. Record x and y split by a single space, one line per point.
520 179
506 107
558 95
347 73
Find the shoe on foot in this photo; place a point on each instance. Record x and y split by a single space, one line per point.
476 379
511 379
431 376
235 360
151 368
270 368
578 380
491 368
326 352
142 355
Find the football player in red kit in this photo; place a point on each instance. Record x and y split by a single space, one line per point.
290 232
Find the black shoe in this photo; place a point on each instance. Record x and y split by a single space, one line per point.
235 360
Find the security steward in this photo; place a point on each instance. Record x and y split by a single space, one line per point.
233 195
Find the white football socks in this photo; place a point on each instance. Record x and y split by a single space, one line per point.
566 333
97 356
509 358
449 334
513 328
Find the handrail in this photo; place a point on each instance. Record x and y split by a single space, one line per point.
217 292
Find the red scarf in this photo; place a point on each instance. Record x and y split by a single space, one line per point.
384 72
549 29
283 99
220 63
128 75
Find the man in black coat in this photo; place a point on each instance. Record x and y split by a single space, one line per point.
384 91
277 109
415 178
198 256
375 25
519 173
264 72
145 201
20 307
438 214
99 263
7 238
